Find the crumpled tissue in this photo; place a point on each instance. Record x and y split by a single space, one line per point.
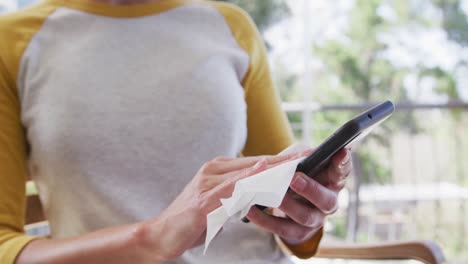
266 188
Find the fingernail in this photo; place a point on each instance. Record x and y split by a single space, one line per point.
345 159
299 183
258 164
341 167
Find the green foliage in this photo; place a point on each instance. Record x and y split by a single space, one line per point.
455 21
362 71
339 227
374 172
445 85
287 83
445 82
363 74
356 71
328 122
358 63
295 119
264 12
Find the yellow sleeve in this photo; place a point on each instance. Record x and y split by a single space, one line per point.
12 171
268 130
16 31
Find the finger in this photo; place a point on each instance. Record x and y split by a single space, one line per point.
314 192
342 161
223 158
234 169
271 161
258 167
307 152
338 169
221 165
283 227
210 200
337 174
302 213
280 159
341 156
338 178
283 159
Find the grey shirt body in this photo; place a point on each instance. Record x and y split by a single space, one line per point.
113 140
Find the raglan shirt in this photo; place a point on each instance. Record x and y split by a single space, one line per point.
111 110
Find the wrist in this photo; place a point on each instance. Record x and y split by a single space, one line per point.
146 241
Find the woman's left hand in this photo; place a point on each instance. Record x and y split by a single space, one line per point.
318 198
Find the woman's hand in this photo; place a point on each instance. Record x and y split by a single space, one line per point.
318 198
180 227
183 224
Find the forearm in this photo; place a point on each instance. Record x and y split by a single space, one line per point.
180 227
122 244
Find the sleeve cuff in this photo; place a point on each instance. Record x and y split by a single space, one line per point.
11 248
304 250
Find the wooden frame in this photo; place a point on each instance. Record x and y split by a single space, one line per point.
425 251
34 211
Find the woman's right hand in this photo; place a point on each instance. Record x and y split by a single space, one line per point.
183 224
178 228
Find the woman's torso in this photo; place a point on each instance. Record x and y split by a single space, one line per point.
121 112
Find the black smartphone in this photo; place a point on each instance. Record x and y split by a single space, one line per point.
352 131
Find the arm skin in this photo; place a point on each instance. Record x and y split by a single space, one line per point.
122 244
180 227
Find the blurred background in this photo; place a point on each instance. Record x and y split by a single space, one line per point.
332 59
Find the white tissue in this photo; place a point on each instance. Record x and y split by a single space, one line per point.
266 188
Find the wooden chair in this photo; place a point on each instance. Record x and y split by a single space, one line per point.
425 251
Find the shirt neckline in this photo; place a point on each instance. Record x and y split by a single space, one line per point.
120 11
